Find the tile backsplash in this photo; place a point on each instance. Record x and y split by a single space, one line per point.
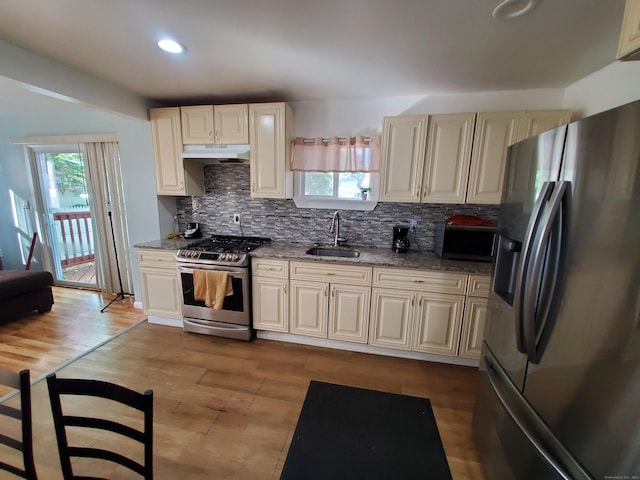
227 192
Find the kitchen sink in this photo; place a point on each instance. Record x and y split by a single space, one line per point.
333 252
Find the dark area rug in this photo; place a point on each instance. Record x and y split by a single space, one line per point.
353 433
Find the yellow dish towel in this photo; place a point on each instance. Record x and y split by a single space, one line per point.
211 286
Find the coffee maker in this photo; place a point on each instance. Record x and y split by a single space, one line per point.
400 242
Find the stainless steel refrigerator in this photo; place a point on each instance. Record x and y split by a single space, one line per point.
559 389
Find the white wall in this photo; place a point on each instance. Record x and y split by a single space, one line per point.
68 84
364 115
138 172
609 87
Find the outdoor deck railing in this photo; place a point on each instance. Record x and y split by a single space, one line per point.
74 232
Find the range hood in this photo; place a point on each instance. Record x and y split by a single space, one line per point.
217 153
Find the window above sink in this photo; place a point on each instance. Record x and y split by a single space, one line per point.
339 190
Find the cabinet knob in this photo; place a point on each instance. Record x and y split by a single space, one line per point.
418 281
325 291
216 135
333 292
413 300
424 192
329 273
285 287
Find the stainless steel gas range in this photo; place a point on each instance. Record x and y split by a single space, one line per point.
222 253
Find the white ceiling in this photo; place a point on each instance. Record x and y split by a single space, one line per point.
314 49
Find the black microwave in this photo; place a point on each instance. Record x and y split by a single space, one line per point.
465 242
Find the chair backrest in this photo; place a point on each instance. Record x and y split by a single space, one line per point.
24 444
112 392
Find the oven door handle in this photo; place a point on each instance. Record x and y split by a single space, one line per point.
189 268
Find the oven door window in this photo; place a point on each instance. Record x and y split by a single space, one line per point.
233 303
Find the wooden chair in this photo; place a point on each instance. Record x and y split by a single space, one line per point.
21 382
98 389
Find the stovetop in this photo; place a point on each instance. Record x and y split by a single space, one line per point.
229 244
221 250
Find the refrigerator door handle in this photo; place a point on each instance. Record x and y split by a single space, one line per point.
543 275
522 275
499 383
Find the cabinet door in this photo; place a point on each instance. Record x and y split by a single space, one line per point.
309 308
197 124
494 133
473 320
167 148
270 141
231 124
534 122
349 313
391 318
270 304
629 46
160 292
446 168
403 144
438 322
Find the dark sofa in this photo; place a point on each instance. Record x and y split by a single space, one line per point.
22 292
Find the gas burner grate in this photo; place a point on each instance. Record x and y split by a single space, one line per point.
229 244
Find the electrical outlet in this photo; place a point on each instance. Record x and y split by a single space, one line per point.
236 218
414 223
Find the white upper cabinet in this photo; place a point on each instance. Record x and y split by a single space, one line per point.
446 168
215 124
629 46
454 158
534 122
494 133
174 176
402 158
270 138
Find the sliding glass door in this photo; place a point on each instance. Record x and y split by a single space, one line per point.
66 212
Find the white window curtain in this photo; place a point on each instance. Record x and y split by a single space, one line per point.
336 154
105 183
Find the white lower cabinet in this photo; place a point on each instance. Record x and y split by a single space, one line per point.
475 313
438 323
391 318
424 316
337 309
270 304
270 282
439 313
159 283
309 308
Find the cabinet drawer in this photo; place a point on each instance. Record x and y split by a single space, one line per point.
157 258
479 285
420 280
330 272
266 267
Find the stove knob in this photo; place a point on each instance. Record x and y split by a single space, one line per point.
223 256
235 257
194 254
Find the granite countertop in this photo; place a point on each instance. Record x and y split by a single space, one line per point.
169 243
368 256
374 257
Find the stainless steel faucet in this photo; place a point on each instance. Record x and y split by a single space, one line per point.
335 228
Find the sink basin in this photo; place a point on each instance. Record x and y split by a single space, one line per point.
333 252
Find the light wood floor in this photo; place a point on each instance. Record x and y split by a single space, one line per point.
42 342
227 409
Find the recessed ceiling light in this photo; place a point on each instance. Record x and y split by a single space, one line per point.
513 8
171 46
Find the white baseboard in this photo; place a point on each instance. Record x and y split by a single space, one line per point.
137 305
171 322
357 347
